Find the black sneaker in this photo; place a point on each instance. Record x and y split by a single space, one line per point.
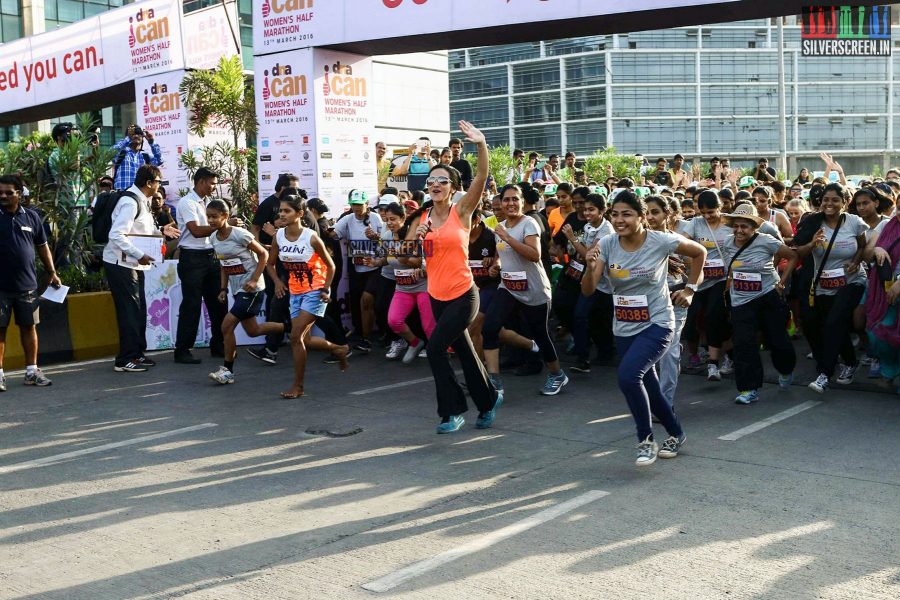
130 367
147 362
331 359
364 346
582 366
186 358
264 354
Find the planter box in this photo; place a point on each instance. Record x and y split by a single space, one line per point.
82 327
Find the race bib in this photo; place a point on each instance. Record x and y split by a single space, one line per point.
632 309
232 266
747 282
832 279
575 270
478 269
295 267
714 268
405 276
515 281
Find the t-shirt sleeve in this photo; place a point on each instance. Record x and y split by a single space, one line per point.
39 234
859 226
531 227
772 244
262 213
685 228
605 246
244 237
187 211
340 228
671 242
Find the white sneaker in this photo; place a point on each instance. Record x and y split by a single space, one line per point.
423 354
820 384
222 376
396 350
846 375
712 373
413 351
647 452
727 367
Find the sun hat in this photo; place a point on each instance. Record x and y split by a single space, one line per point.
744 211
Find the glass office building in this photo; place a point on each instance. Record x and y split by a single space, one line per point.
700 91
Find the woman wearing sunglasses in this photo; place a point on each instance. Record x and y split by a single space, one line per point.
444 231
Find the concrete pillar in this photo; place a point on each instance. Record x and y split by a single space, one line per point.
33 24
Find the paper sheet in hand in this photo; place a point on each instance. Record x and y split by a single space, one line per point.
151 245
56 294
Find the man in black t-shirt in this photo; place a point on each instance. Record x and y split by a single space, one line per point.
267 211
459 163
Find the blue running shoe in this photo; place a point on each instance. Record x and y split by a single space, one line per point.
747 397
554 383
452 424
486 419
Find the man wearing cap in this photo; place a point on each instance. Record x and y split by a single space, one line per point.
360 225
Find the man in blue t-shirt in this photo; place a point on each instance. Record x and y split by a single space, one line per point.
417 165
21 233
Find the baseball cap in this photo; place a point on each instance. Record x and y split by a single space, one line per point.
317 205
359 197
387 199
550 189
746 181
599 189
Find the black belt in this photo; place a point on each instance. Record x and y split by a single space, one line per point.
205 251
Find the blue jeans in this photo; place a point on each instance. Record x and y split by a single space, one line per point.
669 365
639 383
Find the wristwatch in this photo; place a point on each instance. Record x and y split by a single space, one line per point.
691 286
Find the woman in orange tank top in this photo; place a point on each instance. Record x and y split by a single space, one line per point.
444 231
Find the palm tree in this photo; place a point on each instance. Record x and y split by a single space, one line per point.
223 97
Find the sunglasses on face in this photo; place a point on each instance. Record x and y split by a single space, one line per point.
437 180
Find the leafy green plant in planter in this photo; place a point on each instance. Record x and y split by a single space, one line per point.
623 165
500 163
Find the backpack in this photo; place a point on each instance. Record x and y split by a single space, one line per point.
101 221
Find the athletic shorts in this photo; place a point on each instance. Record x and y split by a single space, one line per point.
485 296
247 305
25 305
310 302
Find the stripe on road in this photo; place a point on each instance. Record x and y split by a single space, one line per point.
382 388
138 440
396 578
754 427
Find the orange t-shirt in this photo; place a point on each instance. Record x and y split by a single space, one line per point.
446 251
556 220
305 268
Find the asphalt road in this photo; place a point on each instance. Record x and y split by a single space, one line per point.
161 484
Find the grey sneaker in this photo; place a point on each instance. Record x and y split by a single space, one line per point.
647 451
726 366
37 378
555 383
222 376
820 384
3 383
413 351
671 446
846 375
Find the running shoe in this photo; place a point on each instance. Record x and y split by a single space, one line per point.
727 366
582 366
2 383
845 377
495 380
713 373
147 362
694 361
130 367
222 376
451 424
37 378
332 359
820 384
671 446
785 381
555 383
647 451
423 354
866 360
747 397
486 419
413 351
364 346
875 369
398 347
809 355
264 354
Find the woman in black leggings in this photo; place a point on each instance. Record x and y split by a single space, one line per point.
524 289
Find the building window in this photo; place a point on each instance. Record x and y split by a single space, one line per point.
654 137
546 139
652 68
537 108
586 104
740 135
478 83
649 102
490 112
861 133
533 77
585 138
831 98
743 100
10 21
585 70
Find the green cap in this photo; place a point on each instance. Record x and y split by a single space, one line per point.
746 181
641 192
599 189
359 197
550 189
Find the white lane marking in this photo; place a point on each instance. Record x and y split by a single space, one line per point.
152 395
83 363
608 419
382 388
138 440
754 427
396 578
131 387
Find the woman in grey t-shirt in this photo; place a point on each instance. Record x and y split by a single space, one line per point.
524 289
757 302
839 283
636 261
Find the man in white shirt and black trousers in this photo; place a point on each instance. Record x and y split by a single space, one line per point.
198 270
125 265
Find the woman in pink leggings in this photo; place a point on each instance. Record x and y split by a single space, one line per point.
411 293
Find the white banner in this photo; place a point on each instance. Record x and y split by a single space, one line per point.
284 106
343 108
111 48
280 25
209 34
160 111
